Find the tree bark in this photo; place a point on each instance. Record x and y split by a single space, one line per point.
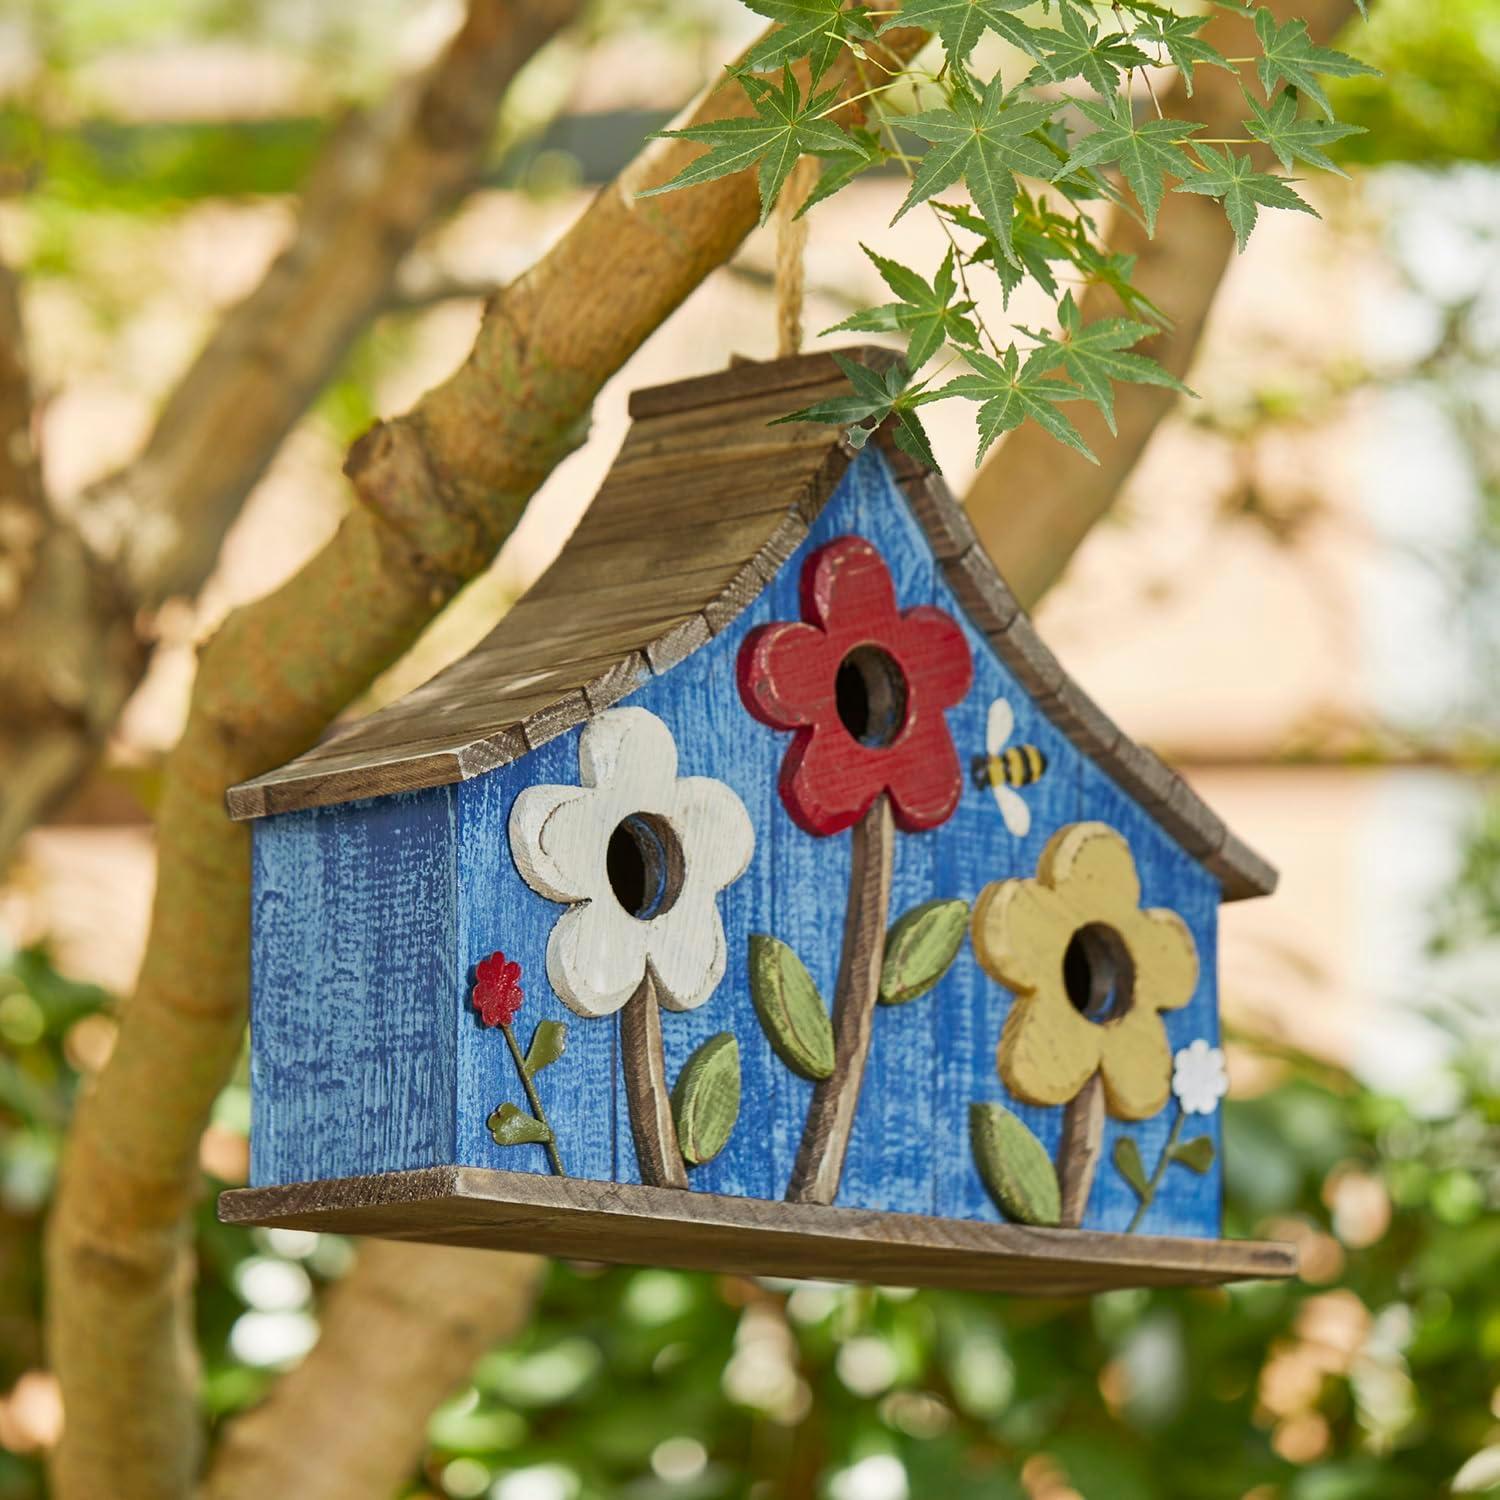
1034 501
72 652
401 1332
438 490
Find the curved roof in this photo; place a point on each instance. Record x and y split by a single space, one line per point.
703 505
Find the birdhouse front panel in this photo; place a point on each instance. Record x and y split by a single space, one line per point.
855 904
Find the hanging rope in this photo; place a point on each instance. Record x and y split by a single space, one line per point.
791 241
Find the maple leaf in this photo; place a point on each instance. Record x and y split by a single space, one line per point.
1290 137
985 140
1010 392
815 29
1078 51
783 129
875 399
1233 178
1146 153
1179 36
960 24
1095 355
927 313
862 150
1288 53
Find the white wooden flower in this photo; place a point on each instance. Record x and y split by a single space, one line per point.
639 856
1199 1078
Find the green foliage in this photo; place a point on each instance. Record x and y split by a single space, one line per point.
1096 355
1010 392
877 398
1291 57
1231 177
785 128
1075 121
1438 99
961 23
1292 136
985 138
1177 37
928 314
817 30
1146 152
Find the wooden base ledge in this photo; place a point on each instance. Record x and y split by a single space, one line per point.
628 1225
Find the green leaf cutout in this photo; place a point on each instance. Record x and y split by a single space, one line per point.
548 1043
1196 1155
1015 1166
920 947
1128 1164
511 1126
791 1011
706 1099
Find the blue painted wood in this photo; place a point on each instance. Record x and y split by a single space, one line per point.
352 1066
499 911
386 907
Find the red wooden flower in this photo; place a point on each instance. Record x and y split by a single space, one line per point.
864 685
497 990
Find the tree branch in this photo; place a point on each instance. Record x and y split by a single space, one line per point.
1034 501
398 1334
154 529
438 491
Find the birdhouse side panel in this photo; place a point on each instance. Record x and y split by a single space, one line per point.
353 979
778 918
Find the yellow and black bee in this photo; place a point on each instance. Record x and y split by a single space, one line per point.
1007 768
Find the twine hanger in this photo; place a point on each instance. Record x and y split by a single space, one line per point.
791 242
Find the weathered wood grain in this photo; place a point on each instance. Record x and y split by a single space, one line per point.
629 1225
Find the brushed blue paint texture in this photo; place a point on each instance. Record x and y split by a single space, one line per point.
352 975
370 918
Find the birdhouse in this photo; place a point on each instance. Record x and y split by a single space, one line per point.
760 895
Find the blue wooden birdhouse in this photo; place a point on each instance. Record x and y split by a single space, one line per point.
760 895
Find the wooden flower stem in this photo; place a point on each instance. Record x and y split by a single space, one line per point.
830 1116
1079 1149
657 1153
534 1100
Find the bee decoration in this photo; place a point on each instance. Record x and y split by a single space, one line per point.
1006 768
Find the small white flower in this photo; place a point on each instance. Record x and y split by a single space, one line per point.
633 831
1199 1078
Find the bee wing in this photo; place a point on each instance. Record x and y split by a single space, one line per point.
1014 810
1002 722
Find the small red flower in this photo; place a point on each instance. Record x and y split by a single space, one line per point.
497 990
864 685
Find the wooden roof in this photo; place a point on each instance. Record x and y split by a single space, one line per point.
704 504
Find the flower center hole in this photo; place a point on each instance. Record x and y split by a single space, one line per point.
870 691
1098 973
644 865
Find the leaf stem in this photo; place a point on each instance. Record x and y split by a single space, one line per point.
1161 1166
534 1100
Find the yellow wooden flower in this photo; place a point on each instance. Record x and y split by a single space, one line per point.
1091 972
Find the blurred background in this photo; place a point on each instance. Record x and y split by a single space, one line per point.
1293 599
